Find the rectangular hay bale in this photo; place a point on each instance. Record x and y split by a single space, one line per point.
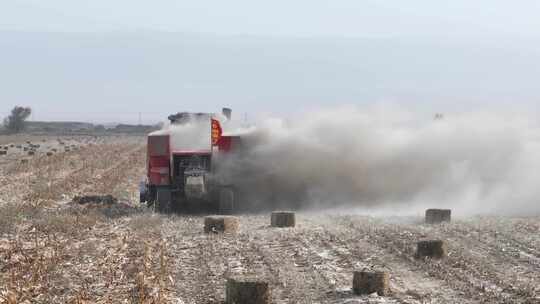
436 249
365 282
218 224
436 216
247 291
282 219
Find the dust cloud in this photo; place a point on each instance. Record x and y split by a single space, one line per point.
193 134
389 158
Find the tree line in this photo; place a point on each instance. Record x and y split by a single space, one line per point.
16 121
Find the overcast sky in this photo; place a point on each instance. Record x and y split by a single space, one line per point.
278 17
118 58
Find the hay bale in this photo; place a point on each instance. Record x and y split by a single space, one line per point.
435 249
3 152
49 153
365 282
95 199
247 290
218 224
282 219
30 153
436 216
24 161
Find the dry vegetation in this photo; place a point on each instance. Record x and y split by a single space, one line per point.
53 251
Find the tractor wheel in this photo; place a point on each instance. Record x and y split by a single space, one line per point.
163 202
226 201
143 197
151 197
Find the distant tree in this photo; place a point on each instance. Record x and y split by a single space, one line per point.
99 128
16 121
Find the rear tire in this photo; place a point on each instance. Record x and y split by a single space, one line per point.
163 201
143 197
151 197
226 201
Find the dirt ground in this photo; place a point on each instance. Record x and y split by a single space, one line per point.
53 251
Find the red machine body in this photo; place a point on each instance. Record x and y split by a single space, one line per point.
159 156
158 160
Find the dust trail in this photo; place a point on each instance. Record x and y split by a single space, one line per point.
390 158
190 134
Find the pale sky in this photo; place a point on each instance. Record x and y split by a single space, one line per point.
103 60
278 17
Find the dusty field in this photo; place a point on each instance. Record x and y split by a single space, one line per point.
52 251
19 139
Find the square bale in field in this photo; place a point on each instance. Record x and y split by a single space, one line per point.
95 199
436 249
246 290
282 219
221 223
436 216
366 282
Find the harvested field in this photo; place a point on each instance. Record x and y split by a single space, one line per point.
53 250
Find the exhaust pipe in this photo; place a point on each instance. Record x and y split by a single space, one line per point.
227 112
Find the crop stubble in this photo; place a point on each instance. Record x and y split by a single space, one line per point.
60 255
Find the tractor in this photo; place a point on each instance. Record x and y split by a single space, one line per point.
182 161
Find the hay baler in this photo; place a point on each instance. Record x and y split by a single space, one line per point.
182 162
